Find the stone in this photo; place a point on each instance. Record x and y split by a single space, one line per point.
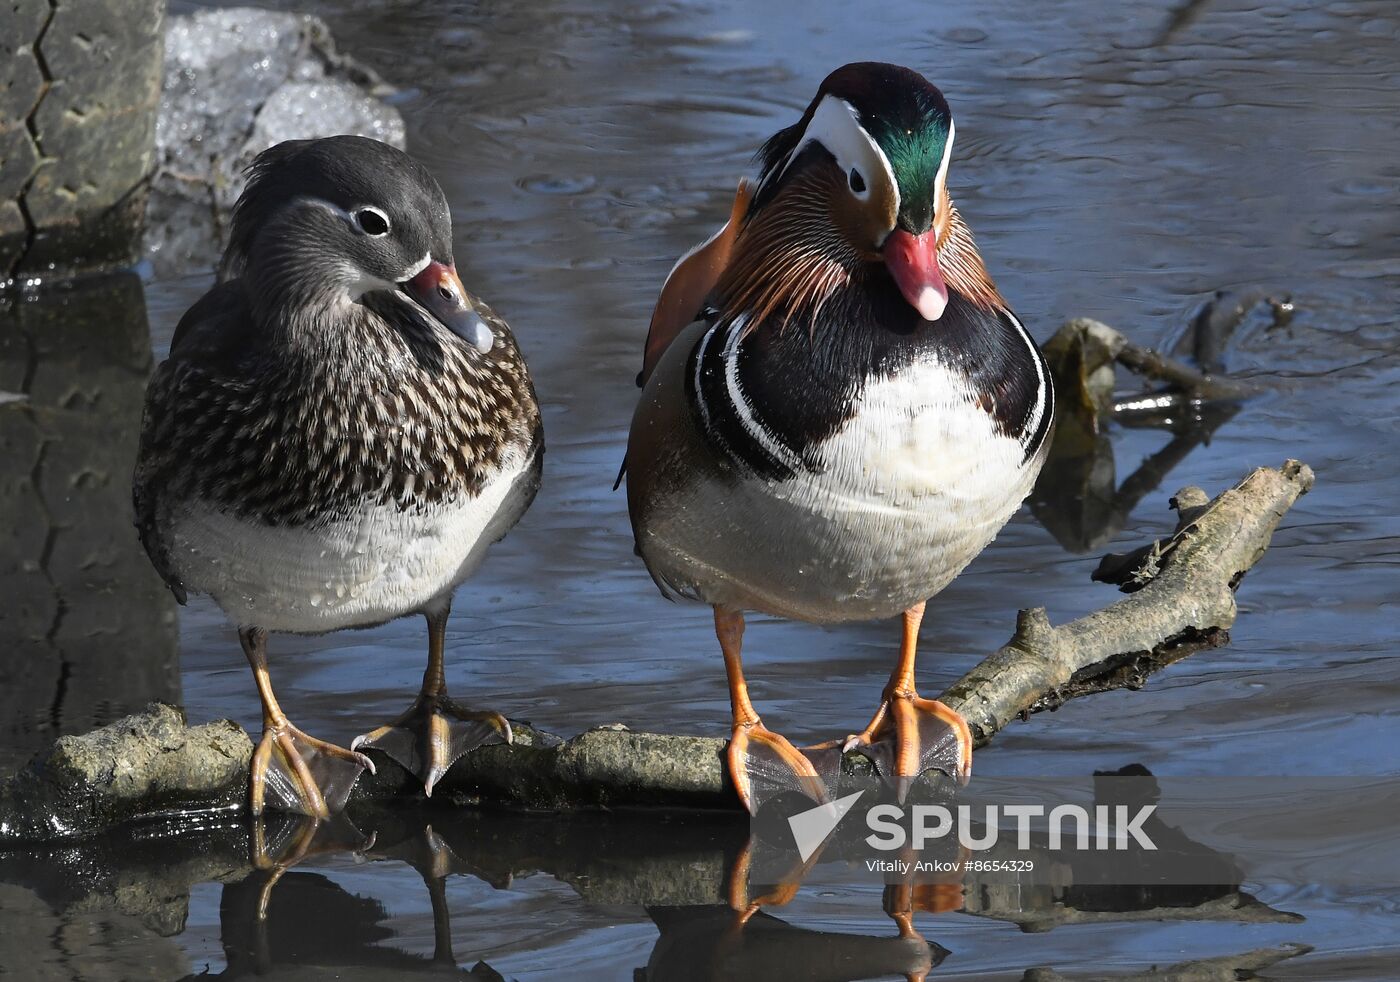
236 82
135 767
85 84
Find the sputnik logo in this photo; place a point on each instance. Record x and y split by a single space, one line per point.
812 827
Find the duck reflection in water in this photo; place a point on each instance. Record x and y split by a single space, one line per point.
303 925
713 943
300 924
739 940
703 879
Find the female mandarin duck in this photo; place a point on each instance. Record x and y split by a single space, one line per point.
840 411
339 433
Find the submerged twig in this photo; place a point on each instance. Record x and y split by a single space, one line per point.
1190 383
1077 497
1155 365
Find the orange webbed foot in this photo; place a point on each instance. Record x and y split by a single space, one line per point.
763 765
432 734
294 772
910 735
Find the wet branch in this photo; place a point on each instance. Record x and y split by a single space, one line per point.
1154 365
1182 600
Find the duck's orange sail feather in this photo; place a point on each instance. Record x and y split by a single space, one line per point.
691 281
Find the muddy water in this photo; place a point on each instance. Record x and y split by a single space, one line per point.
1115 162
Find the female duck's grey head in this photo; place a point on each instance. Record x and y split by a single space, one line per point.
331 220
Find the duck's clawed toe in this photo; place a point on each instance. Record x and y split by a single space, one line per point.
434 732
763 764
294 772
910 735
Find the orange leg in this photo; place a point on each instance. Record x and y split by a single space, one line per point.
299 772
761 763
431 734
910 734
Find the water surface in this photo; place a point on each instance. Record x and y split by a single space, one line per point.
1117 162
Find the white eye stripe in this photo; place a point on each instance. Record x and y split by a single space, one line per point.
835 124
322 203
349 215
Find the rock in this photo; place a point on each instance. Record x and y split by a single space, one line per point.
138 766
236 82
21 83
80 135
79 87
320 108
150 757
153 764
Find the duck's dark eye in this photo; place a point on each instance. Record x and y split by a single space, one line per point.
857 182
372 221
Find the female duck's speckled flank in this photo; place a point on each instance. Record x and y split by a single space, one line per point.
840 410
339 433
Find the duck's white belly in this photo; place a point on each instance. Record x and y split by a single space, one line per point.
909 491
379 564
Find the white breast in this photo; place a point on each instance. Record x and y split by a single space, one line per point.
915 485
906 494
920 440
379 564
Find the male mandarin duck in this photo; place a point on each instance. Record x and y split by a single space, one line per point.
839 410
339 433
